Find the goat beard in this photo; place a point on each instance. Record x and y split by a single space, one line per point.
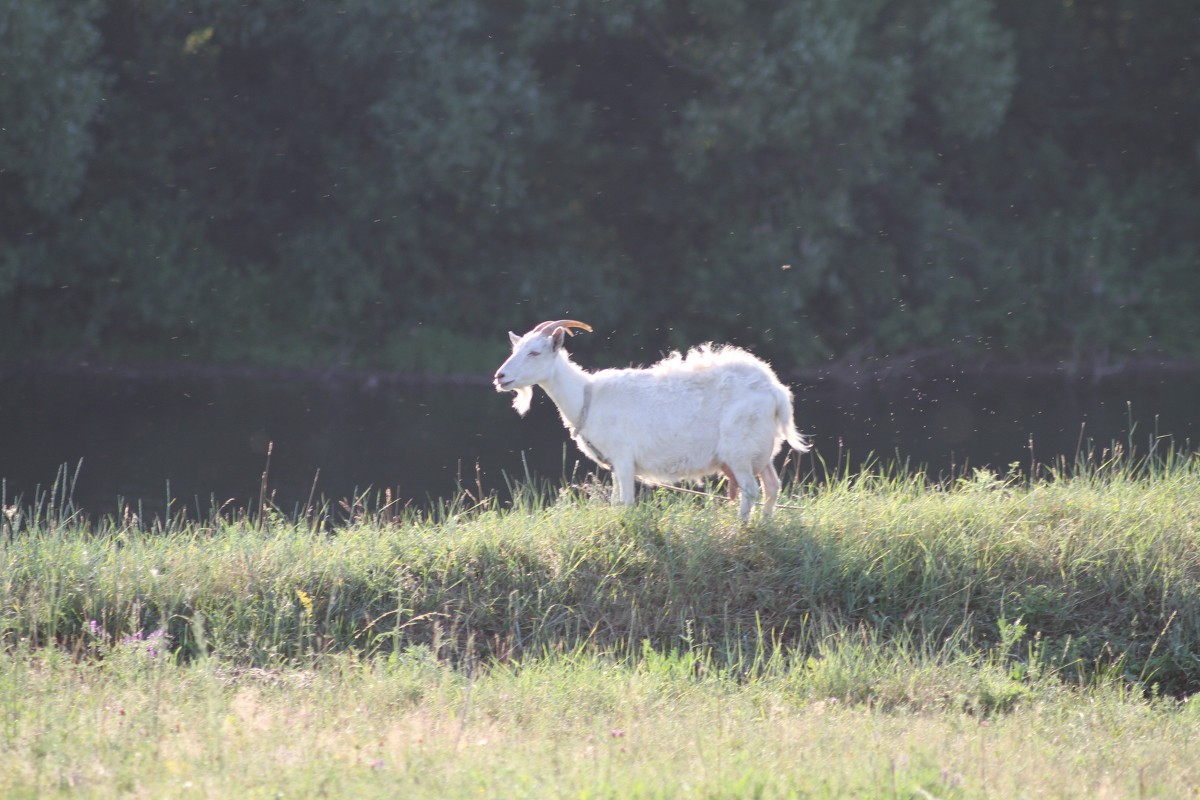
524 397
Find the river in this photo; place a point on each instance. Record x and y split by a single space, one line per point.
198 441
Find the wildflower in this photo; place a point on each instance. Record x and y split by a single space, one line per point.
155 641
94 627
306 601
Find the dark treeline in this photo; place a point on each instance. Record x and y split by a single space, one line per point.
352 182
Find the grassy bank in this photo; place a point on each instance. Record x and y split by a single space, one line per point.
996 635
1101 569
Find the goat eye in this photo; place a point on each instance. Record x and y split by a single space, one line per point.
533 353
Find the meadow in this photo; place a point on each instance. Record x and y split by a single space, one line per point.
886 635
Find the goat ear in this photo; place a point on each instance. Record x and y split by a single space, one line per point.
558 337
512 337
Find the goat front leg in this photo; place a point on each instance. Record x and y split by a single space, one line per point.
623 485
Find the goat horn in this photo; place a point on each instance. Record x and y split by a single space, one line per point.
565 324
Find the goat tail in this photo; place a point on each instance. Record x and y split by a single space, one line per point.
787 426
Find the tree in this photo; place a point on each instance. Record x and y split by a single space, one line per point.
50 94
288 183
51 88
1090 188
776 168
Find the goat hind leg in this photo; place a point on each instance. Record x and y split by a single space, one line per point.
770 485
749 488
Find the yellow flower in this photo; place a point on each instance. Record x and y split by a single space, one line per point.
306 601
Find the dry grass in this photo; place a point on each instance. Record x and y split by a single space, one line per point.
571 726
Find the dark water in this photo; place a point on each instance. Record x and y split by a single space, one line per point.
202 441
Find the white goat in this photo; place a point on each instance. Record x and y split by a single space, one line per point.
717 409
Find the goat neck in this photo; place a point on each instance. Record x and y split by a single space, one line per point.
567 387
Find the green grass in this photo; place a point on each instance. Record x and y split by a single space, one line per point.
567 725
883 636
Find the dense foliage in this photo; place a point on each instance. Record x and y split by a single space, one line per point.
294 182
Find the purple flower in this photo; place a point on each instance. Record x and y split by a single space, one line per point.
93 627
154 640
